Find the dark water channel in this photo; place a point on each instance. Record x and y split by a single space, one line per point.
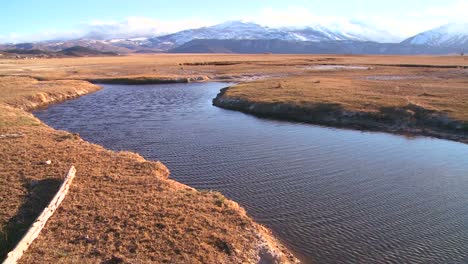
331 195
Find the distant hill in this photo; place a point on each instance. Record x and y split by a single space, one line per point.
59 45
453 36
79 51
245 37
303 47
26 51
76 51
239 30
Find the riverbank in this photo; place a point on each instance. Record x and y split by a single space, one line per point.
345 91
428 105
120 208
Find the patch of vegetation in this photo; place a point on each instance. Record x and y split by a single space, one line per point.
346 101
19 121
39 195
220 199
68 136
80 51
222 245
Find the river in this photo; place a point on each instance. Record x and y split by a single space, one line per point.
331 195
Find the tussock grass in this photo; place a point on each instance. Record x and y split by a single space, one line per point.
192 65
412 100
120 207
449 97
123 208
27 93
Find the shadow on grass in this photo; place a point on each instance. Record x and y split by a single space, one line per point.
39 195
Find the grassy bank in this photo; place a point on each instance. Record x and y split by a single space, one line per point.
433 104
124 208
121 207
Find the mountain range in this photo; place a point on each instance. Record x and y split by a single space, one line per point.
244 37
453 36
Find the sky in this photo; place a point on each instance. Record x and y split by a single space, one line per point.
34 20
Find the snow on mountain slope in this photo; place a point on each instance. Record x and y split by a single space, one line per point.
319 33
227 30
450 35
245 30
451 38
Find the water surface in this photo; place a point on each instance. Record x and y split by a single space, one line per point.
331 195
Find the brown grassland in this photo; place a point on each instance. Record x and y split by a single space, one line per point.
412 101
122 208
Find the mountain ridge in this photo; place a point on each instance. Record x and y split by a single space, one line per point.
453 35
244 46
247 30
447 39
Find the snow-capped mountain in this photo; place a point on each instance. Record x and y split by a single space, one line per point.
449 36
239 30
359 38
59 45
319 33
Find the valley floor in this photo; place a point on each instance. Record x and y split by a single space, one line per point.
122 207
410 101
413 95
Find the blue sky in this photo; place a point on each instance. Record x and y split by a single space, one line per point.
23 20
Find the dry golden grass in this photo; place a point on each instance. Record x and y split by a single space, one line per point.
411 100
215 65
27 93
354 92
120 206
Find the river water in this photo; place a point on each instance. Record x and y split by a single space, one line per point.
331 195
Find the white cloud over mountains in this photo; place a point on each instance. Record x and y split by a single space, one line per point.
374 27
128 28
299 17
405 24
138 26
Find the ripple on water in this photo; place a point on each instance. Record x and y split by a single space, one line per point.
332 195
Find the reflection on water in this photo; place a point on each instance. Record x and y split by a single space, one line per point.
332 195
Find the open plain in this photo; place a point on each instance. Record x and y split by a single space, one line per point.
122 203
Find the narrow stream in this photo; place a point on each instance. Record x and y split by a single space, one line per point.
331 195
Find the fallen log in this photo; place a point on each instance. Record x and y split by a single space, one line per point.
41 220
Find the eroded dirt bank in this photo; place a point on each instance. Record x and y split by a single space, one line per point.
121 207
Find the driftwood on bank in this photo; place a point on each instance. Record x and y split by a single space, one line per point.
40 222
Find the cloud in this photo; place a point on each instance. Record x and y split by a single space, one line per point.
300 17
45 35
379 28
137 26
100 29
290 17
456 12
413 22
